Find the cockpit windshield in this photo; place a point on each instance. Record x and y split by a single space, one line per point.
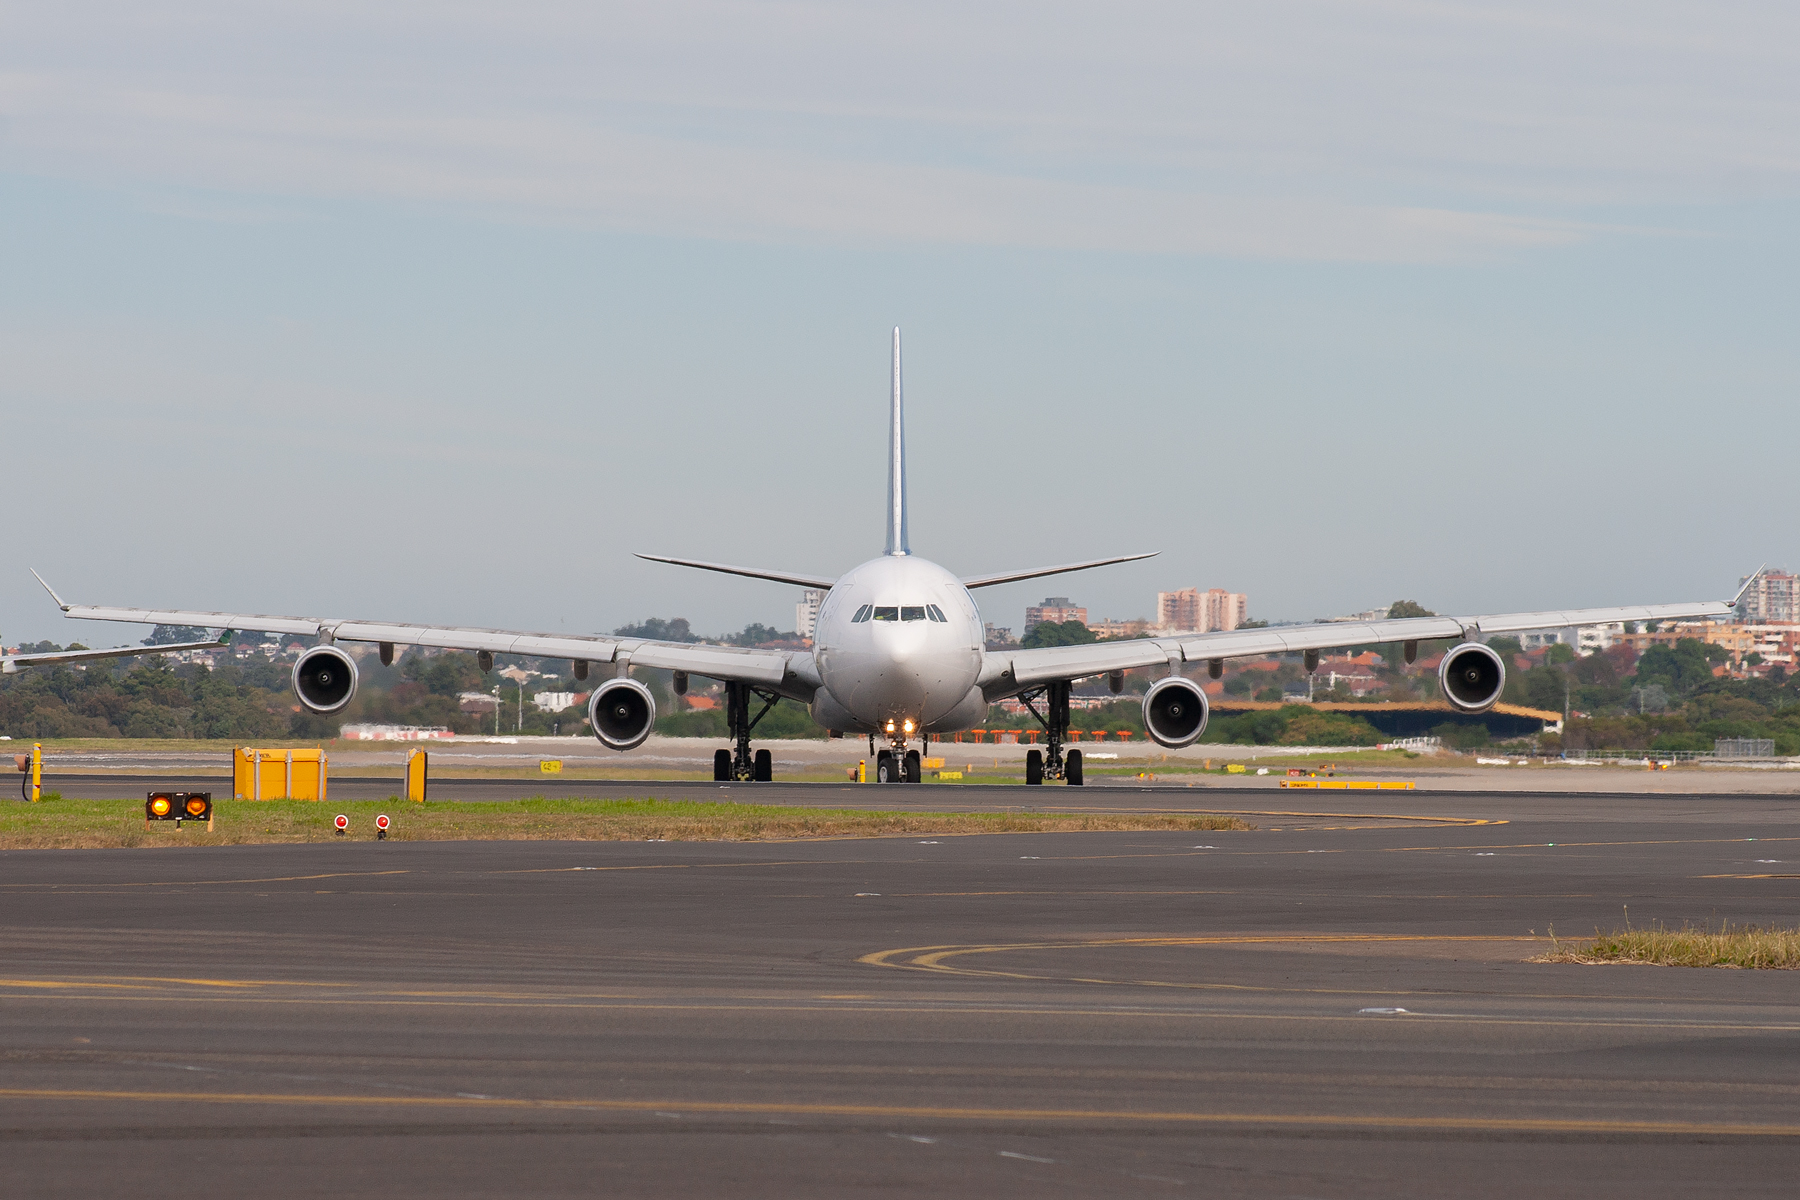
899 612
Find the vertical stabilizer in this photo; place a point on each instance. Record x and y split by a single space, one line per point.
896 497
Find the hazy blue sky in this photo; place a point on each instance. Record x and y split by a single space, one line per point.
436 312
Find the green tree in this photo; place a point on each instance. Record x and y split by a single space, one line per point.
1401 609
658 630
1052 633
1681 668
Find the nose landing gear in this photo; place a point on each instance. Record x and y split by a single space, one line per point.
898 766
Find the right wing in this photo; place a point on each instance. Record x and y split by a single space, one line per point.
1009 672
788 672
981 581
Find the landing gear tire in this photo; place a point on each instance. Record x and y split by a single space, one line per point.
1072 769
884 767
913 773
765 766
721 766
1034 767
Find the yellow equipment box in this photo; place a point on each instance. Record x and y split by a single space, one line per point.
277 774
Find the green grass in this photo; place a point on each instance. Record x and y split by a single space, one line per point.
1746 947
72 824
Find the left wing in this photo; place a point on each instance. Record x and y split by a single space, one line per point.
773 668
1009 672
10 663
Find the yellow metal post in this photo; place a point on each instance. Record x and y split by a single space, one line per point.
415 776
862 770
37 771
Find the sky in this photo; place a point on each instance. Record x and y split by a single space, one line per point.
439 312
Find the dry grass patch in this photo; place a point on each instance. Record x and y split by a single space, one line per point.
83 824
1741 946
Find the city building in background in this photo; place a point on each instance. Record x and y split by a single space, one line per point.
806 613
1770 598
1054 610
997 637
1194 611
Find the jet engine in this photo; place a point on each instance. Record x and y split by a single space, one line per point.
1175 711
325 679
622 713
1472 677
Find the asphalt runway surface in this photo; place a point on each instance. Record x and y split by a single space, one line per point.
1329 1011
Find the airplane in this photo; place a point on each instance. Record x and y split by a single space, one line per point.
10 663
898 655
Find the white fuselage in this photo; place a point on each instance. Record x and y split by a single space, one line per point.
898 639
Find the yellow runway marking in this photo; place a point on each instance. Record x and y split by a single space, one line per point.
930 1112
932 958
601 1002
142 981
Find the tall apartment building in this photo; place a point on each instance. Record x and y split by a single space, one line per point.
1194 611
1054 609
1773 596
806 613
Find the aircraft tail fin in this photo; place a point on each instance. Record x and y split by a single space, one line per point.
896 490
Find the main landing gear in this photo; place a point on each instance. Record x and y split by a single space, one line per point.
740 765
1050 762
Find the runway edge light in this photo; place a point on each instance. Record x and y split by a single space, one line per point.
178 807
381 827
342 823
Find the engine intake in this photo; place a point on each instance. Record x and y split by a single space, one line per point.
1472 677
325 679
1175 711
622 713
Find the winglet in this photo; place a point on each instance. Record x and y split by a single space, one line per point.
60 603
1750 579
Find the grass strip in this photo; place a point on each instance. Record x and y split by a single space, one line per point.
1745 947
93 824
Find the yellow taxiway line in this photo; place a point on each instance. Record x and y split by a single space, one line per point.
1198 1119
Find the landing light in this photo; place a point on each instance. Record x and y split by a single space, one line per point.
907 726
890 727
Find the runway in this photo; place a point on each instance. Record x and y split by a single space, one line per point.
1292 1011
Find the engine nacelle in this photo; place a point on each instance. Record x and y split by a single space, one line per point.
622 713
1175 711
1472 678
325 679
